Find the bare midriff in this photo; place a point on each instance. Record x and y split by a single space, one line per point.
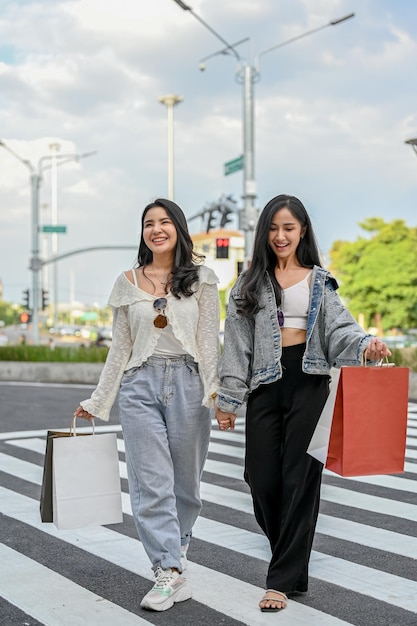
292 336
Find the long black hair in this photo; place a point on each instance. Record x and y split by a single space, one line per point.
184 271
264 260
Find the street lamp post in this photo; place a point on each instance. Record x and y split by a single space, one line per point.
55 148
247 74
170 101
36 263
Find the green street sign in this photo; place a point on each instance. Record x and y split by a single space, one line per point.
233 166
89 316
54 229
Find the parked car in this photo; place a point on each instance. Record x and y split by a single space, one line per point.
104 336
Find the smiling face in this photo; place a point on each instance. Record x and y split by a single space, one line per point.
159 232
285 233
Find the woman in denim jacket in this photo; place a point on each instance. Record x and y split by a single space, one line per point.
286 327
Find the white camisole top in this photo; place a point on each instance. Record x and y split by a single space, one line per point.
295 302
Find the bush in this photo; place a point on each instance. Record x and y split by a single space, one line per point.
72 354
404 357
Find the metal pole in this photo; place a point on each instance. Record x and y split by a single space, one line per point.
170 101
170 151
249 182
54 221
248 73
35 261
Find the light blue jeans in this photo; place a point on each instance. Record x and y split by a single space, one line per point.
166 432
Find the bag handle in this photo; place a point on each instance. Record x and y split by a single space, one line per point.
380 363
73 429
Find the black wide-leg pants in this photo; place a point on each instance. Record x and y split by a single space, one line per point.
284 479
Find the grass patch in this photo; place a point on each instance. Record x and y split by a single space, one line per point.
42 354
402 357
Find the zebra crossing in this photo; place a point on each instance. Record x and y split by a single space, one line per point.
363 566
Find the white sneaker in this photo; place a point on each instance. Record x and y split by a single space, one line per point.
183 559
169 587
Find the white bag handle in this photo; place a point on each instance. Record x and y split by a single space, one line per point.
73 429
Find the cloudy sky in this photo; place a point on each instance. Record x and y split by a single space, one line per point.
332 112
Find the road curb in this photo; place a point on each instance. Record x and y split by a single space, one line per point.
25 371
87 373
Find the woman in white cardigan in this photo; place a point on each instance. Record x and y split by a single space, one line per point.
163 364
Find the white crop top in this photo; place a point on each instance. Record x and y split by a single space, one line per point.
295 301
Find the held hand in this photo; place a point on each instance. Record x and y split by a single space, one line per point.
376 350
84 414
225 420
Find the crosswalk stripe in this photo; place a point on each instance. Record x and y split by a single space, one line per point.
342 529
336 527
367 502
359 578
22 434
53 599
403 593
209 587
35 444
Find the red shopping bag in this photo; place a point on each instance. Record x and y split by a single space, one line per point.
369 426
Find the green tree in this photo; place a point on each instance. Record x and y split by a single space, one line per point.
378 274
9 313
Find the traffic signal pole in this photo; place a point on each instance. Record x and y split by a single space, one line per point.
247 74
35 261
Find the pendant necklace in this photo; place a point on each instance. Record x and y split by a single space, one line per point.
163 284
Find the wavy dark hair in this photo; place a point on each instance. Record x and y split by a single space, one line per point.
185 270
264 260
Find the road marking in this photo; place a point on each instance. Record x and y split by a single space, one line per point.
336 527
52 599
23 434
210 587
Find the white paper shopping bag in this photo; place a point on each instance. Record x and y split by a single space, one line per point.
86 481
319 443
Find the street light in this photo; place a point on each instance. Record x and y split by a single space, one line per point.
55 148
36 262
170 101
247 74
412 143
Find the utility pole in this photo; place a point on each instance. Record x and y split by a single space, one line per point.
170 101
35 262
247 74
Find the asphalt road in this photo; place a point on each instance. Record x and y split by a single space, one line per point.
363 567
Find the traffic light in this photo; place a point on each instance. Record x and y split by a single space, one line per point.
25 317
26 298
45 299
211 219
222 248
225 219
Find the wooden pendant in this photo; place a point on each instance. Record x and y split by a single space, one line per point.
160 321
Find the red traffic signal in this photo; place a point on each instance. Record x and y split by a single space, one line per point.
222 247
25 317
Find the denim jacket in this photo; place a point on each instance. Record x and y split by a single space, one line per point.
252 344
